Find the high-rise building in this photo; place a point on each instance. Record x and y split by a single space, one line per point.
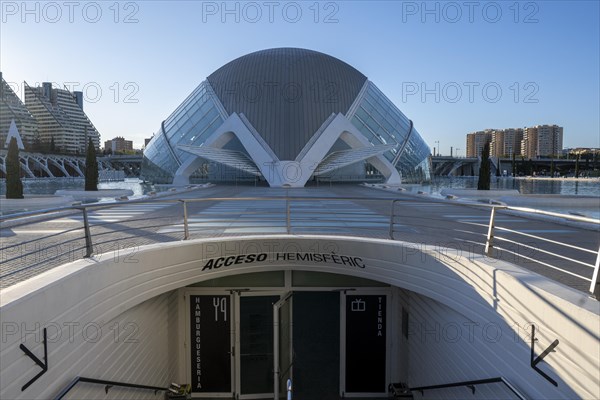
506 142
529 143
532 142
61 118
496 144
476 141
13 109
542 141
118 144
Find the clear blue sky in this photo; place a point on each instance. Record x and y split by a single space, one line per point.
542 55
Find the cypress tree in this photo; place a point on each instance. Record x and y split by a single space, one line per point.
523 169
514 164
91 168
14 186
37 145
484 169
498 173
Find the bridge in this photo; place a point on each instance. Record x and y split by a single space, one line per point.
469 166
454 166
130 164
38 165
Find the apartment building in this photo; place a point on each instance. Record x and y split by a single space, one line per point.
60 117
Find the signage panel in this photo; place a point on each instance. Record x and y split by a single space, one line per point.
366 344
210 327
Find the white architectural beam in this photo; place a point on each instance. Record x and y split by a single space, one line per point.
340 127
233 127
285 172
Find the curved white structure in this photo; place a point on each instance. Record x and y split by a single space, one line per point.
286 116
448 318
261 160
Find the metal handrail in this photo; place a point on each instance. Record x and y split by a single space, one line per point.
550 213
490 236
288 200
525 210
489 244
471 385
108 385
8 217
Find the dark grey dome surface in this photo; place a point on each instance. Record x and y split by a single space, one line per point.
287 93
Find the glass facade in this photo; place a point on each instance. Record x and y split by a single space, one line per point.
380 121
190 124
198 117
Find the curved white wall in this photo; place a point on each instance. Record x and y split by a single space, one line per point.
443 290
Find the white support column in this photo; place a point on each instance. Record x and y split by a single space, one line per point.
489 243
594 289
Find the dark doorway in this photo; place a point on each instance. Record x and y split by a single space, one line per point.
316 336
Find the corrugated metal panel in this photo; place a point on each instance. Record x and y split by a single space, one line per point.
287 93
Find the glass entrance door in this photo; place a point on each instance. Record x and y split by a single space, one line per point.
255 341
282 346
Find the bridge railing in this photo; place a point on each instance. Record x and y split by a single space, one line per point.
25 251
493 236
31 246
552 254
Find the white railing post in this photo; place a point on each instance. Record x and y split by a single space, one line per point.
186 229
89 247
593 286
391 233
489 243
276 370
288 222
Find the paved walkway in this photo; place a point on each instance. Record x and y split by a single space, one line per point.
31 248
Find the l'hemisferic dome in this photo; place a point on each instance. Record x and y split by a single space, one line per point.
286 116
287 93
